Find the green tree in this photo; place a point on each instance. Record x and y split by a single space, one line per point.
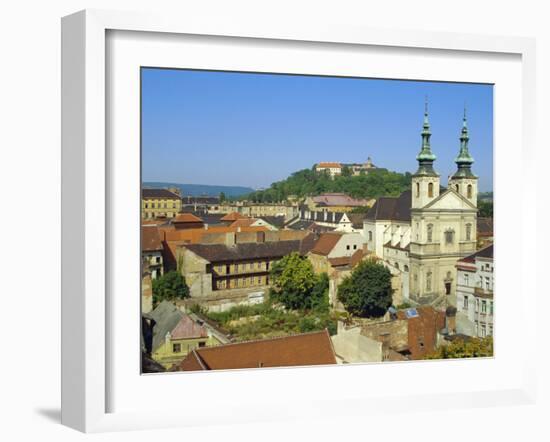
367 291
171 286
485 208
222 197
464 348
296 286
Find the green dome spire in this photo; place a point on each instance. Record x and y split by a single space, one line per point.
426 157
464 160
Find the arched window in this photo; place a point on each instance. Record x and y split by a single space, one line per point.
431 190
406 268
417 190
429 281
430 232
456 187
370 235
449 236
469 190
468 232
397 265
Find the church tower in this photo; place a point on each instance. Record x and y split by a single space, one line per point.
425 182
464 181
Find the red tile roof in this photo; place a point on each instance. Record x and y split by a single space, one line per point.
150 239
243 222
288 351
233 216
326 242
329 165
186 218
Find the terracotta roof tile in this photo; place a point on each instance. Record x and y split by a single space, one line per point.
326 242
233 216
328 164
243 222
297 350
186 218
150 239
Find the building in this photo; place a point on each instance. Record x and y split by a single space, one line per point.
332 168
187 221
475 301
219 269
160 203
412 333
426 230
336 248
335 202
175 334
152 250
304 349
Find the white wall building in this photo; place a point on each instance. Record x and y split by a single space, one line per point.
475 302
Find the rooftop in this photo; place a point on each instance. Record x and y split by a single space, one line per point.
150 238
298 350
158 194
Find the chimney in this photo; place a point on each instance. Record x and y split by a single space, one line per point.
230 239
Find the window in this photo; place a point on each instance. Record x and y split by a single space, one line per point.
466 279
456 187
406 268
491 308
417 190
173 205
202 344
477 305
483 306
449 236
483 330
355 247
430 190
476 327
430 232
347 247
146 205
490 329
465 305
487 283
157 259
429 281
468 232
370 235
469 191
176 348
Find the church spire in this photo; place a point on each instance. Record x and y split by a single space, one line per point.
426 157
464 160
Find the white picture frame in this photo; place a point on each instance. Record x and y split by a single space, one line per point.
87 210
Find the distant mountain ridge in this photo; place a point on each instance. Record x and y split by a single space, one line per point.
202 189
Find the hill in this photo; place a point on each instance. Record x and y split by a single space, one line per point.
203 189
307 182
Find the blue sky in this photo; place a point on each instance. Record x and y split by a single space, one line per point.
224 128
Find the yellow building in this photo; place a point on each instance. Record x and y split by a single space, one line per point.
175 334
159 203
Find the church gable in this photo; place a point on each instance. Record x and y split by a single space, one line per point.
450 200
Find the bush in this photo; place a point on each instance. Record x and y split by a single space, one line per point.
170 287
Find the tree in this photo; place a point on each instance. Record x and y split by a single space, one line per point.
170 286
222 197
367 291
464 348
296 286
485 208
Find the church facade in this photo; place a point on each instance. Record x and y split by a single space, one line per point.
426 230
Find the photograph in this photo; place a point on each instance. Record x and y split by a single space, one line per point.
303 220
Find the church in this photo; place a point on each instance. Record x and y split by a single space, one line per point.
427 229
